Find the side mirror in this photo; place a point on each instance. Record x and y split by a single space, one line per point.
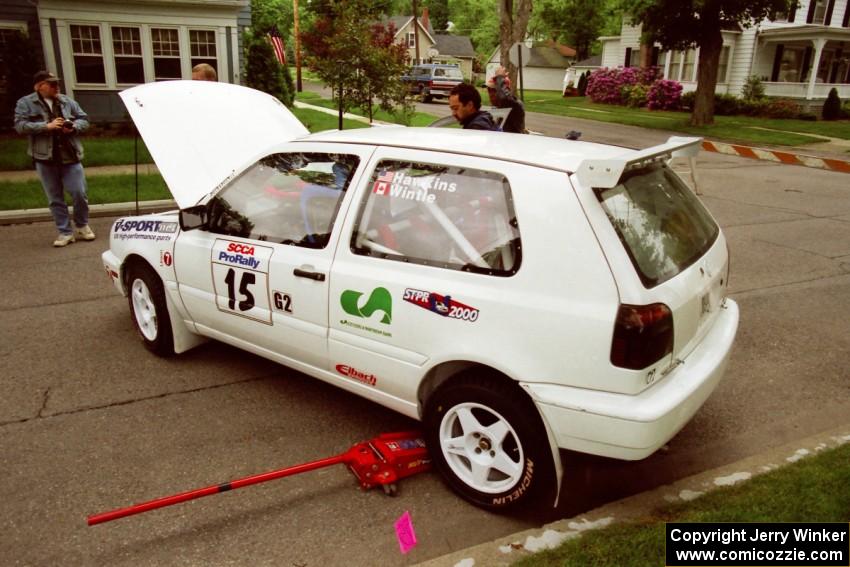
194 217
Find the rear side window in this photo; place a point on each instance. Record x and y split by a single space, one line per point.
438 215
661 223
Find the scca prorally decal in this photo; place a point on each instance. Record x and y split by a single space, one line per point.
355 374
403 186
441 304
144 230
239 254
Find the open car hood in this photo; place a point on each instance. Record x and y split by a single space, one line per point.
201 133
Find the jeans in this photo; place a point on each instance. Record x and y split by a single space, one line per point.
70 177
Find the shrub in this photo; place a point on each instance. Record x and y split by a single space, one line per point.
664 95
633 96
832 106
782 108
727 105
606 85
753 89
686 101
807 116
845 109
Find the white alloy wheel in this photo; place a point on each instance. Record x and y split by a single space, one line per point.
144 309
481 448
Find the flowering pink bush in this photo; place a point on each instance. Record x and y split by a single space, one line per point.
606 85
664 95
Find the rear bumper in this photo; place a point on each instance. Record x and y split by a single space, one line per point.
633 427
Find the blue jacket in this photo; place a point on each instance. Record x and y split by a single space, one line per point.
481 120
31 118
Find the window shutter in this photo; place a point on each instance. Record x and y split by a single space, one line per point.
829 8
807 63
654 58
793 11
628 62
777 61
811 16
846 22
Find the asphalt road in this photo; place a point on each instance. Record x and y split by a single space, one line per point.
90 421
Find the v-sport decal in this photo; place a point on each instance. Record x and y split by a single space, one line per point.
379 300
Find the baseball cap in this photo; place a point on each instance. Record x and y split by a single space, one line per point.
44 76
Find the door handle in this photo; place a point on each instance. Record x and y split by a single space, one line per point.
319 277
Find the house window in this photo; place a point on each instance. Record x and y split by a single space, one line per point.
127 46
11 33
166 54
723 65
202 45
791 66
676 65
689 64
411 39
662 61
88 54
820 11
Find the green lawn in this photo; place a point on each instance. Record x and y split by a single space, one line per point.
417 119
812 490
98 151
101 189
744 129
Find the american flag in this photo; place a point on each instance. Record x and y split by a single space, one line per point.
277 44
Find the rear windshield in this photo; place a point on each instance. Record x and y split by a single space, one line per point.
661 223
450 73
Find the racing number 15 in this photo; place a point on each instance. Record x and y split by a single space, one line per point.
248 278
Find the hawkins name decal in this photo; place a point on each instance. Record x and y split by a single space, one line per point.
424 189
441 304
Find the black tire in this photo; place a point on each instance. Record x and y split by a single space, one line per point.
427 98
517 470
148 309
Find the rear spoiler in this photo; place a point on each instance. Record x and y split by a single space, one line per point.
606 173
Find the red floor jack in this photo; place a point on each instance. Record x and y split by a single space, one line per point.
381 461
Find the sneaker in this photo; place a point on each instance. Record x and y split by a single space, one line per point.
63 240
84 233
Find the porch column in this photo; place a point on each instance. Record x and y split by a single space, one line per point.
813 73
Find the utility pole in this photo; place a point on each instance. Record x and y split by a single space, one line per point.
416 29
297 49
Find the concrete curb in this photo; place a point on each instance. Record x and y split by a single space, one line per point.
348 115
24 216
509 549
777 156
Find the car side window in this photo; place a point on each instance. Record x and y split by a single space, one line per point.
439 73
287 198
438 215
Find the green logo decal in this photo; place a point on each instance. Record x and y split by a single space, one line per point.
379 300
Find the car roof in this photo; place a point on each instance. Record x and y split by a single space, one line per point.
553 153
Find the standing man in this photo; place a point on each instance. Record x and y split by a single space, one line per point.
499 90
465 104
53 121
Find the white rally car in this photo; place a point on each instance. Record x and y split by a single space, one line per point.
517 294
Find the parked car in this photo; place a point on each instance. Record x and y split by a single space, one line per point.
432 80
517 295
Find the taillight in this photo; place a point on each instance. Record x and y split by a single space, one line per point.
643 334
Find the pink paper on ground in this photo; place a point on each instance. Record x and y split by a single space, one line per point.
404 532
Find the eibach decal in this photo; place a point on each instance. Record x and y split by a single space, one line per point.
355 374
441 304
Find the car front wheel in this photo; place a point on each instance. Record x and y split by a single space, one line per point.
488 441
148 308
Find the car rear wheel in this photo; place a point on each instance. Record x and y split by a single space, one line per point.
148 309
487 439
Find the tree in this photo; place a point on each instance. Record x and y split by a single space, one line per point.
513 25
478 19
438 11
355 56
576 23
262 70
679 25
18 63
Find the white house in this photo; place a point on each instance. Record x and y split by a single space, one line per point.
543 64
800 55
433 47
100 47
